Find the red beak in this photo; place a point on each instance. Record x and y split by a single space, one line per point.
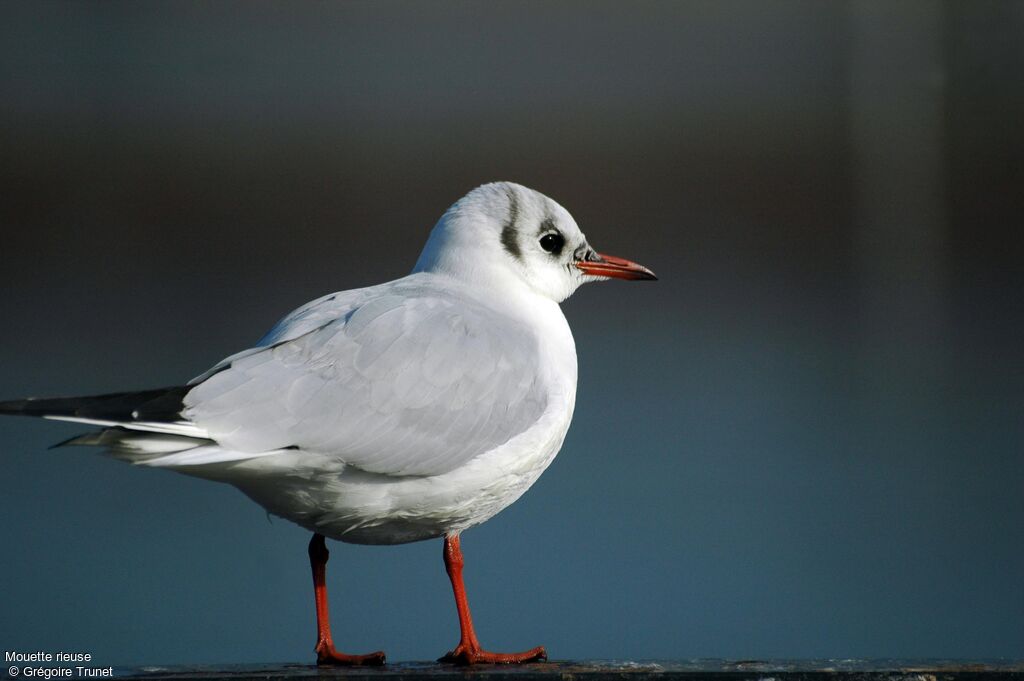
617 268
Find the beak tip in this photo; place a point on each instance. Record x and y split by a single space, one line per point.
645 274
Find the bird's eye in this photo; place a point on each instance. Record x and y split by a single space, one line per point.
552 242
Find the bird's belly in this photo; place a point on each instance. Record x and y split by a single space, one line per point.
351 505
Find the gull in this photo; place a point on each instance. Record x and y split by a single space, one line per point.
406 411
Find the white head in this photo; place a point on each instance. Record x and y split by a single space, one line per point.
506 233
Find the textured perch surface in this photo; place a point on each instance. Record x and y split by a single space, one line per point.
687 670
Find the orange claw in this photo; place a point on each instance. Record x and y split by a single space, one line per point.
326 655
465 655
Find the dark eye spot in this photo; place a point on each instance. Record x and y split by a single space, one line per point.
552 242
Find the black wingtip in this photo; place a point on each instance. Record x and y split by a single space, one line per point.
18 407
162 404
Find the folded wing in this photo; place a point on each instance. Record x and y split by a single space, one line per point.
411 382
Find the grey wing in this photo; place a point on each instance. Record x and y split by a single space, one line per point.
397 384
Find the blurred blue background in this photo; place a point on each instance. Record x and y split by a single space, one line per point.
804 441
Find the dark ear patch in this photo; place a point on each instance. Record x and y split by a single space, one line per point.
508 232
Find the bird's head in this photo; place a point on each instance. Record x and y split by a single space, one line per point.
502 232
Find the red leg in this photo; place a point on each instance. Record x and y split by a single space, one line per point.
469 651
325 652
